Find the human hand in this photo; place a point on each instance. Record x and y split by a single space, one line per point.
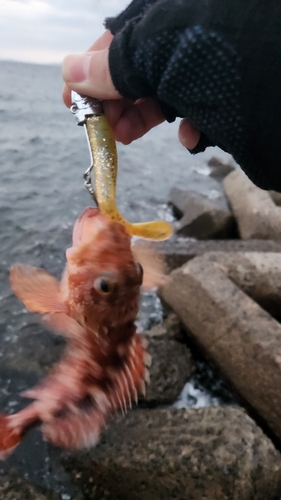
88 74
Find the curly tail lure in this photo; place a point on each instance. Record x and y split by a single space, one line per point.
88 112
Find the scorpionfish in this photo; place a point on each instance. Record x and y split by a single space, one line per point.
94 306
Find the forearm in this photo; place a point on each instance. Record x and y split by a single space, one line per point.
197 57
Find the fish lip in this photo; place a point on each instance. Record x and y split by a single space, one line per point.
88 213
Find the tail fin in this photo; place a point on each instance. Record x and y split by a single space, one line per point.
10 436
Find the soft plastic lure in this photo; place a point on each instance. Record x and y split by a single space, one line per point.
103 153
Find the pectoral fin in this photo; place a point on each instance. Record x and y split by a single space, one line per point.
64 325
153 264
38 290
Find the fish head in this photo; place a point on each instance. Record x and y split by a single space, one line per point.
103 279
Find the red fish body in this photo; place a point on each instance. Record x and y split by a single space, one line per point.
94 307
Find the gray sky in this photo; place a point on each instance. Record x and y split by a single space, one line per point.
44 31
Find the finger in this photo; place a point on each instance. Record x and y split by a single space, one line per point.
130 121
101 43
66 95
114 109
188 134
88 74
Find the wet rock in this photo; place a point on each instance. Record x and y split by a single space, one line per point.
240 338
172 364
219 168
210 453
256 213
170 328
202 217
35 350
178 251
14 487
205 388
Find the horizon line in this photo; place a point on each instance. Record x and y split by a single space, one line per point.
30 62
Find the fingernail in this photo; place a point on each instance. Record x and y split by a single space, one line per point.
76 68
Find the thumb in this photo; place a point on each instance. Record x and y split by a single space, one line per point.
88 74
188 134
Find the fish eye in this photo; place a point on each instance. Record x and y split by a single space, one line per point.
139 269
103 285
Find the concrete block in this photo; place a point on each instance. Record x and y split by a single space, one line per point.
14 487
210 454
219 169
201 217
257 274
241 338
178 251
256 213
172 364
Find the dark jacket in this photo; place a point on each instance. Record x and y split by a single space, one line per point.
215 62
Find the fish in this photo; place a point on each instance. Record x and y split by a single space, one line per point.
105 362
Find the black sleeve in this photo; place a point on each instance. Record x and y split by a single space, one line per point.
215 62
132 13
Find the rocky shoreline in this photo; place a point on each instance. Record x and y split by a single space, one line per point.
223 304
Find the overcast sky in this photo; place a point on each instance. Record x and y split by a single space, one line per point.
44 31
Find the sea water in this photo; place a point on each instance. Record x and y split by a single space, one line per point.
43 156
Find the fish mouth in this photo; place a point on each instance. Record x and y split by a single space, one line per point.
85 228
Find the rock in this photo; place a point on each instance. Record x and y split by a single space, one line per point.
36 350
255 211
172 364
210 454
178 251
13 487
219 168
170 328
234 332
202 218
